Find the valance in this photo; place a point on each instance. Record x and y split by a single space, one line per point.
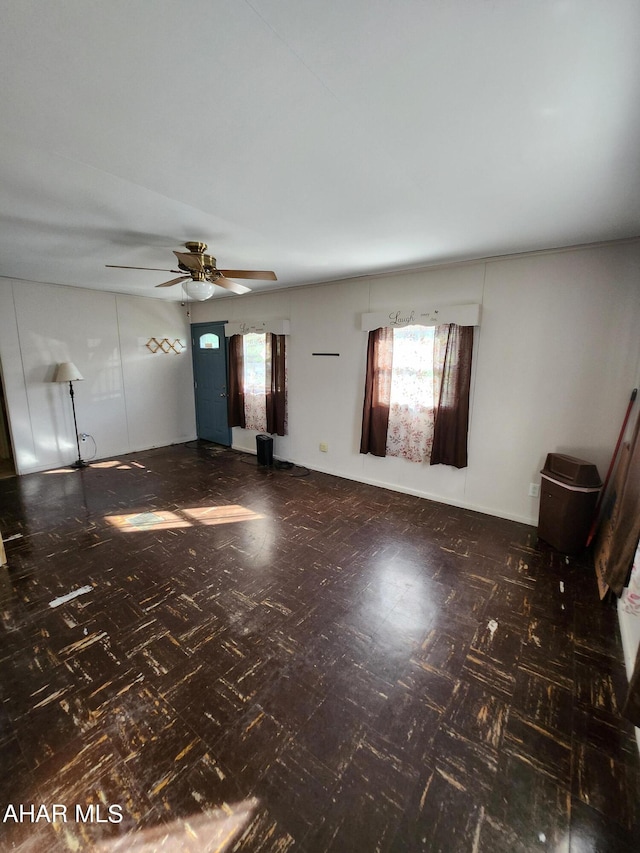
279 326
461 315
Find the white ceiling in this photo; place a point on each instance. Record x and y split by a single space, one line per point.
318 138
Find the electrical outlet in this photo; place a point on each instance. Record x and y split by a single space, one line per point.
534 490
324 447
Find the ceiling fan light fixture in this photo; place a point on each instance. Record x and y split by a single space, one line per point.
203 272
199 290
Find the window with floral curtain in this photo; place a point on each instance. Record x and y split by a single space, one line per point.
257 382
417 393
255 378
411 414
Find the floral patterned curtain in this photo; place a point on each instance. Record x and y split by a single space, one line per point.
255 379
411 414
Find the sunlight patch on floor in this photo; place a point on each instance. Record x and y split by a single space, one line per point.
210 831
107 463
186 517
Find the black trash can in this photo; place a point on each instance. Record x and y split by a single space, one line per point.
568 499
264 446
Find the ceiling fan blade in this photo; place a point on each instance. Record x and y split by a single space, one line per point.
191 260
174 281
265 275
231 285
153 269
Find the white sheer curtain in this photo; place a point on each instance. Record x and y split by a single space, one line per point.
255 380
411 407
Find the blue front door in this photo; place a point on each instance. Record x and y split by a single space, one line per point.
209 347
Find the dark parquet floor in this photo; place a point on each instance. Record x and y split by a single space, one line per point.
260 661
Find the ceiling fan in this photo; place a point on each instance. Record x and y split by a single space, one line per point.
202 268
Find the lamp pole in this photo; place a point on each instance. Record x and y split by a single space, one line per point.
68 372
79 463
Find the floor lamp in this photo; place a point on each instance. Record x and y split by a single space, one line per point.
68 372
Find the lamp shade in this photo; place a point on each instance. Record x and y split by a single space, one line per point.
67 372
199 290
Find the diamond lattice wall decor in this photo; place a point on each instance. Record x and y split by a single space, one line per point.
164 345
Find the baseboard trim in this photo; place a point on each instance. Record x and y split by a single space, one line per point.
370 481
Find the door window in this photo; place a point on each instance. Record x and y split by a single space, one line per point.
209 341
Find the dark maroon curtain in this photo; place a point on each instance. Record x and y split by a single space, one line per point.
276 384
235 396
452 382
377 392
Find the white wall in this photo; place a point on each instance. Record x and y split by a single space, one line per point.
555 361
129 400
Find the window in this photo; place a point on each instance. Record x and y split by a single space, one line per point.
254 351
209 341
410 430
257 382
417 393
